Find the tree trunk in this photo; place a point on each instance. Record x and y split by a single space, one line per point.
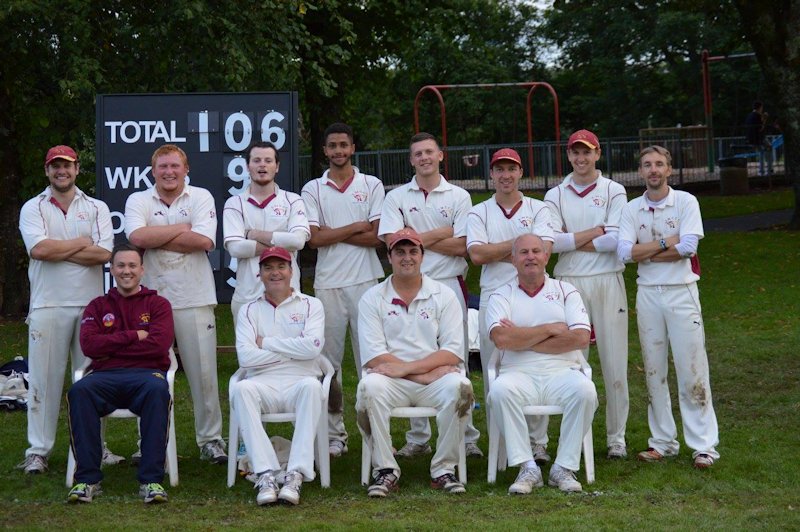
773 29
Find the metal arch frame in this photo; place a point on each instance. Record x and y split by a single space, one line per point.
533 85
706 58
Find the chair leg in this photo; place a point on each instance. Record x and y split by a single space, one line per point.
494 452
70 468
366 459
588 455
233 448
462 461
323 457
172 450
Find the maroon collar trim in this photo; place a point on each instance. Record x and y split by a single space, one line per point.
585 191
531 294
263 204
344 186
510 214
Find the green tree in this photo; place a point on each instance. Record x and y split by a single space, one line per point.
773 29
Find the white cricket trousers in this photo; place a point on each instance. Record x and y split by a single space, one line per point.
672 312
420 432
196 334
568 388
377 394
53 337
607 305
279 393
341 310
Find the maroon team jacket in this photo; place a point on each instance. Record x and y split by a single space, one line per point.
109 325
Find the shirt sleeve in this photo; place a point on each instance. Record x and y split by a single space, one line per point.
95 342
552 202
233 228
297 226
575 313
691 221
451 324
311 202
462 209
476 226
204 214
31 224
136 211
371 337
391 215
377 197
498 308
626 237
105 230
543 223
617 203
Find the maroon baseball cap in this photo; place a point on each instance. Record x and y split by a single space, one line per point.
275 251
584 136
506 154
405 233
60 152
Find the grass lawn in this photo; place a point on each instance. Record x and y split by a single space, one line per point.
750 293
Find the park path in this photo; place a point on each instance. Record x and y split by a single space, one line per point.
748 222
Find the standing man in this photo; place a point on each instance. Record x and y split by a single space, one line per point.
263 216
437 211
492 227
176 225
279 339
660 230
344 209
413 348
586 208
540 325
68 237
755 126
127 334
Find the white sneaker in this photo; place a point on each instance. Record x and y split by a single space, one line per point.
337 448
540 453
563 479
472 450
267 489
527 479
214 452
110 458
292 483
617 451
34 464
411 450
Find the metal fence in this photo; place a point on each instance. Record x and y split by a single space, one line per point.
468 166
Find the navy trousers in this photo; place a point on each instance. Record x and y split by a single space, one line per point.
144 392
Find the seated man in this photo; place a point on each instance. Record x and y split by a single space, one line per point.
279 339
412 343
127 334
540 325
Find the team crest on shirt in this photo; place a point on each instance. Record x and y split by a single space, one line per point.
425 313
359 196
82 216
671 222
159 213
183 211
445 211
108 320
598 201
296 317
279 210
552 296
144 318
392 313
526 221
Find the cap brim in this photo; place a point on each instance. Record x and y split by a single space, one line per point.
585 143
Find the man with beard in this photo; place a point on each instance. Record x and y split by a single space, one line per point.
660 231
263 216
68 236
344 209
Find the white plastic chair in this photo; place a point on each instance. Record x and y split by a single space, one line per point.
321 448
409 412
172 448
497 450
